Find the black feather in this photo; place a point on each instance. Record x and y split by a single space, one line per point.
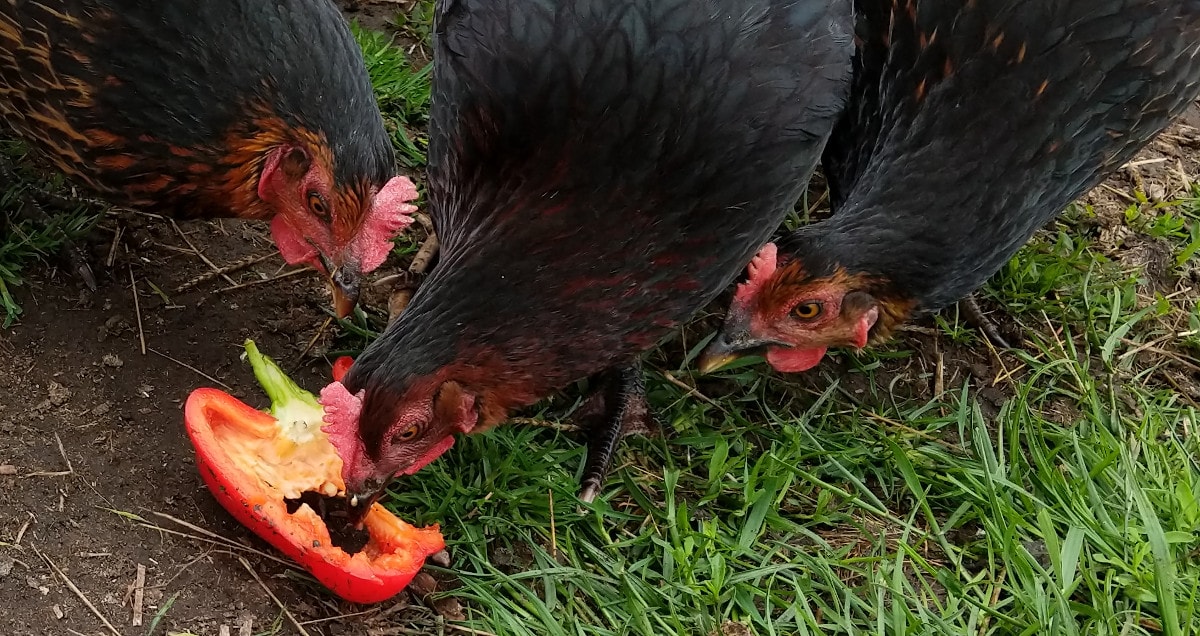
186 74
952 153
599 170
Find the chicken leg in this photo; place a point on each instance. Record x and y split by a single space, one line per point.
409 280
971 310
405 286
32 208
617 409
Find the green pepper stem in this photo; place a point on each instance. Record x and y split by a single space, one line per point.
280 388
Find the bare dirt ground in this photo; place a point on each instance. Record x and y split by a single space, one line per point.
91 429
95 465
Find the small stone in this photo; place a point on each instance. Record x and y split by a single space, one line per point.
59 394
422 585
7 469
450 609
113 360
114 326
102 409
58 613
440 558
37 585
6 565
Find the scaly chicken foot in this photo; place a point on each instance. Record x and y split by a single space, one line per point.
970 308
408 281
617 409
32 208
403 289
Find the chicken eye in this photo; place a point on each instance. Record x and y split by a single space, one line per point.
407 434
316 203
807 311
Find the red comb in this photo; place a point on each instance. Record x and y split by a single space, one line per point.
389 215
342 410
760 269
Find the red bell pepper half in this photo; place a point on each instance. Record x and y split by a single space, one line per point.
270 469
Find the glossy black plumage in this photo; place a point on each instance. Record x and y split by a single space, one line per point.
158 104
972 124
599 170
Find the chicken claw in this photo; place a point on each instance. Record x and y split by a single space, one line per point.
614 411
970 308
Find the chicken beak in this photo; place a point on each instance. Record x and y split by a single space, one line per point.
716 356
360 505
346 281
724 349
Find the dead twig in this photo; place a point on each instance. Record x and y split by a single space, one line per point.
956 449
553 529
1007 375
286 611
200 254
191 368
389 279
540 423
692 391
1182 392
467 630
56 473
339 617
139 591
1170 355
1144 347
211 537
996 589
23 529
137 309
317 336
228 269
79 593
939 380
63 452
1119 193
112 250
294 272
1144 162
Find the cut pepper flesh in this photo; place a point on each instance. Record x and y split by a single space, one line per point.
253 463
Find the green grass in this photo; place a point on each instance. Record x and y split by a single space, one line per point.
1069 509
856 502
1059 498
24 240
402 91
816 515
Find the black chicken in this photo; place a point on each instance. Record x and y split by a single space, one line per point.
599 170
222 108
970 125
